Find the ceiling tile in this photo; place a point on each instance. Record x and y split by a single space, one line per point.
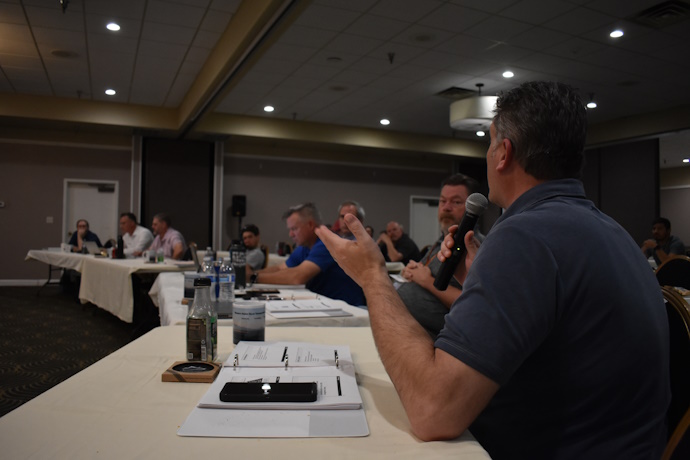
15 32
24 62
354 45
505 54
538 38
579 21
56 39
207 40
434 60
17 48
324 17
229 6
497 28
453 18
423 36
405 10
179 89
291 53
622 8
536 11
466 45
12 13
99 43
308 37
494 6
575 48
162 50
316 71
216 21
54 18
166 33
377 27
121 9
173 13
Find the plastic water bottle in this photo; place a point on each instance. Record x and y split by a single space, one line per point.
226 281
238 252
208 271
202 324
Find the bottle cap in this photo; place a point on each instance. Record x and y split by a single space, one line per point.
202 282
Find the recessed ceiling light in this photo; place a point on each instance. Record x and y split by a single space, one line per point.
110 92
686 160
481 133
113 26
616 33
385 122
508 74
592 105
269 108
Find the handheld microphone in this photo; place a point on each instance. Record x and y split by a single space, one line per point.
475 205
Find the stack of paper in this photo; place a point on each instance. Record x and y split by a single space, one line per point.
265 362
305 308
338 404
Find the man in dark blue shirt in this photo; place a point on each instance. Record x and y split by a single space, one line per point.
310 264
553 350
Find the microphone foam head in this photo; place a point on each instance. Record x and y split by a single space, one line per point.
476 204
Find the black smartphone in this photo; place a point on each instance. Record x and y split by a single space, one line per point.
269 392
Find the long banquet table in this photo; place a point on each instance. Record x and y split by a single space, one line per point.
105 282
168 290
120 408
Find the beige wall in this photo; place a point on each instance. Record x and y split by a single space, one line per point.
31 185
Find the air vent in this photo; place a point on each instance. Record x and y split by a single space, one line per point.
454 93
663 15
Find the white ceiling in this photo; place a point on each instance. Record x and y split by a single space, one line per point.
349 62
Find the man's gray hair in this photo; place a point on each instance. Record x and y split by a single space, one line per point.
306 211
360 214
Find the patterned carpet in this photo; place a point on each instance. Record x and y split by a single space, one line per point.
48 338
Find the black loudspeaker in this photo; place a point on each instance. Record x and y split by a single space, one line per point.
239 205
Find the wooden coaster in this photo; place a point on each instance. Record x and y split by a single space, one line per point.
194 372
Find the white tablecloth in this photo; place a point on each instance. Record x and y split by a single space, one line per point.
119 408
107 283
168 290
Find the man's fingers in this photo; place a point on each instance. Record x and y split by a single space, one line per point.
356 227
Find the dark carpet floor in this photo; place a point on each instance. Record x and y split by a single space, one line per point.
46 339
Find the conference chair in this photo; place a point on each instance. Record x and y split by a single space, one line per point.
674 272
678 313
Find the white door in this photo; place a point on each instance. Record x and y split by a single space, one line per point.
93 200
424 227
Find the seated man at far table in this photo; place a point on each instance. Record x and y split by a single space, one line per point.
167 238
310 263
397 246
663 245
83 234
252 241
136 238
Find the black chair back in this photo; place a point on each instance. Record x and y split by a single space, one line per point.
674 272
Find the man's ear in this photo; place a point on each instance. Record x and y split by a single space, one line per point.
506 155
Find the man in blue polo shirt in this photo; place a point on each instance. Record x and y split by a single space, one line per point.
558 346
310 264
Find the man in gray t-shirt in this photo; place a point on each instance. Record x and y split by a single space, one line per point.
663 245
252 241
